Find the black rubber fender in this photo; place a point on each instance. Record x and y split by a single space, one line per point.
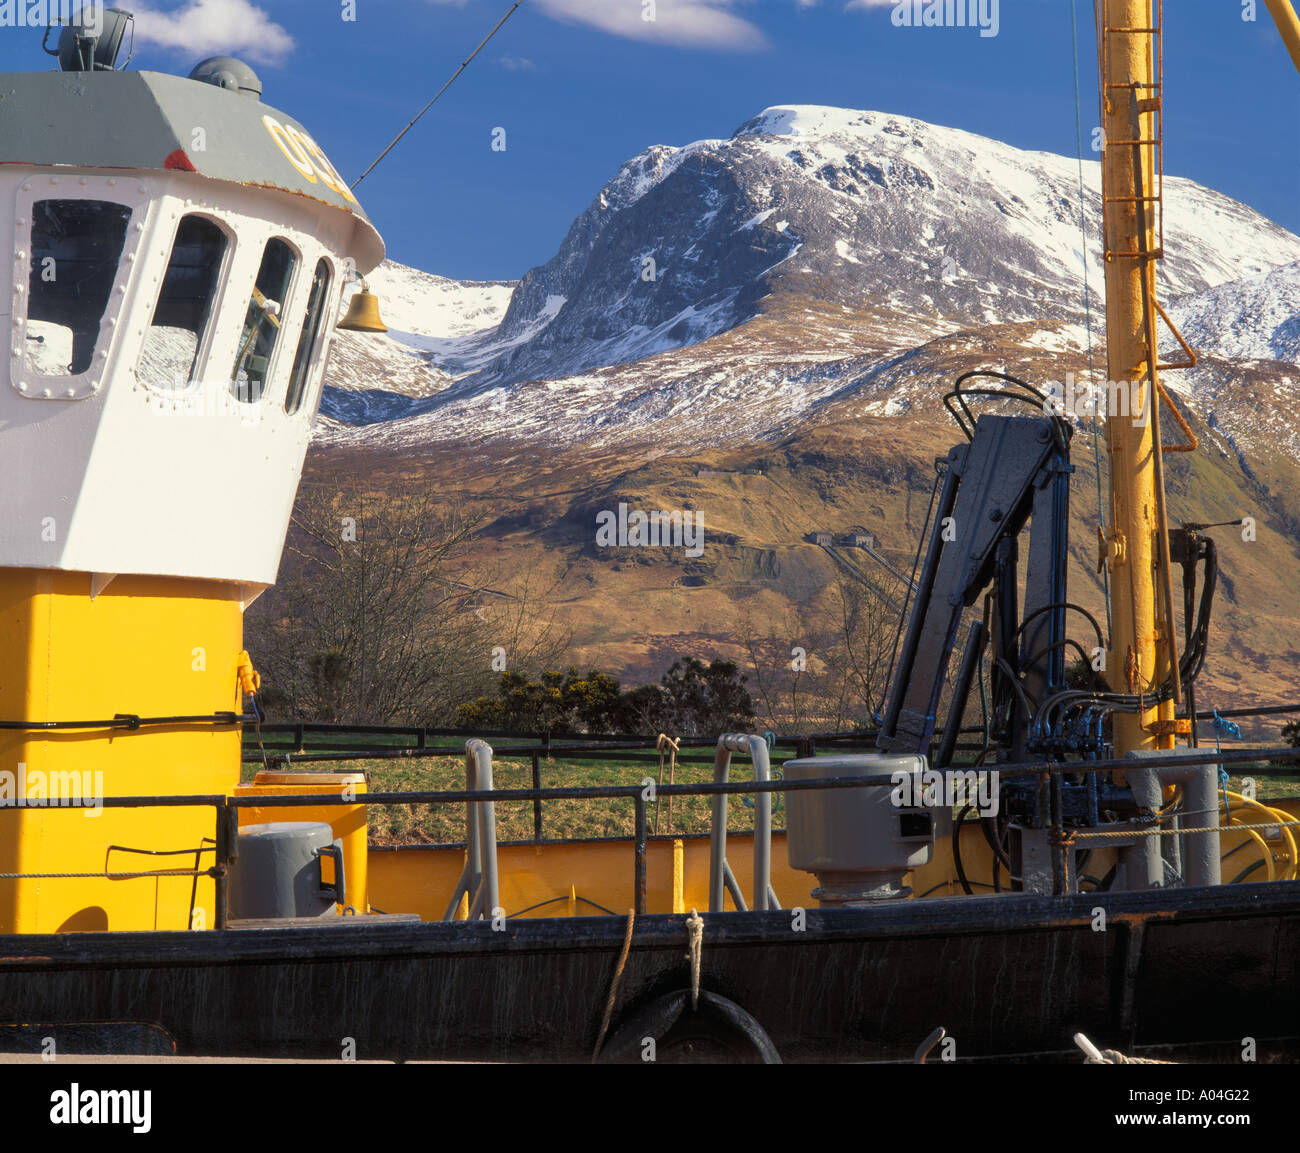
724 1022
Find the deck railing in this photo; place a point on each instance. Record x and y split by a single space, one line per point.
1282 761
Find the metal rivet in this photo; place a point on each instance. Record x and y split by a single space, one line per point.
45 392
22 386
71 394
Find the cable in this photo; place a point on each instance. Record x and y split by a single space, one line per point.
1246 872
440 91
1087 297
956 850
1071 606
556 900
999 853
131 721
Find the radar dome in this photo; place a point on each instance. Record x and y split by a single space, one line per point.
229 73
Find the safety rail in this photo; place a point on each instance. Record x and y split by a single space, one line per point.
1049 773
632 749
478 880
720 873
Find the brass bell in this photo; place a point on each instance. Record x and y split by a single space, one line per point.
363 313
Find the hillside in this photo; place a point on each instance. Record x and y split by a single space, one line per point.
820 278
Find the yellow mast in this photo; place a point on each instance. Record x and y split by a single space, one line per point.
1141 650
1287 25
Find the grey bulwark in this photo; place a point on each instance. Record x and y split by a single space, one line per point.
146 120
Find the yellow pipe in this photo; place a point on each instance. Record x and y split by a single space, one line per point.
1281 817
1265 851
1288 26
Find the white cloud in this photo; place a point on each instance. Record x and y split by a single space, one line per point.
685 23
214 27
869 4
516 63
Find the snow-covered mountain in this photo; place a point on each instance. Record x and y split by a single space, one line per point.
866 206
373 377
815 250
1255 318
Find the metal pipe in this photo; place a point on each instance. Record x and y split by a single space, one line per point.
462 887
227 834
1128 65
478 755
640 884
921 596
1200 851
960 691
1165 589
733 887
756 748
473 852
718 829
1060 847
762 825
537 801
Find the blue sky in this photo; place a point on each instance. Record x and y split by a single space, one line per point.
581 85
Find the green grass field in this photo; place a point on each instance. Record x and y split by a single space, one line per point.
563 818
569 818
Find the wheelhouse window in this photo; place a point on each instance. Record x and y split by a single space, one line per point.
309 341
75 252
262 322
186 304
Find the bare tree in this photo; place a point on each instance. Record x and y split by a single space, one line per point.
379 616
822 666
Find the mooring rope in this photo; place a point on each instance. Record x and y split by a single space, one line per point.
695 930
1094 1056
665 741
1181 832
613 986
